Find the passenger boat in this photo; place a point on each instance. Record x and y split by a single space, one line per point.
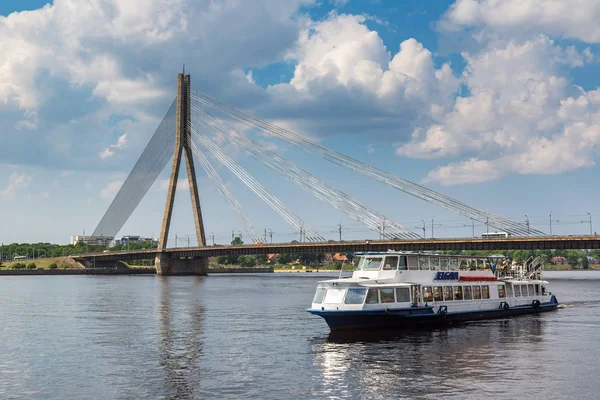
398 290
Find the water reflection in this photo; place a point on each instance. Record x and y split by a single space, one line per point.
181 318
418 362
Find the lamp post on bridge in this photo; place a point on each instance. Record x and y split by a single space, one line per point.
551 221
527 223
423 221
590 215
432 225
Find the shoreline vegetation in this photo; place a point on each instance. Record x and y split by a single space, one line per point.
68 266
46 256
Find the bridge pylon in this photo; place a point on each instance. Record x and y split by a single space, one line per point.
164 264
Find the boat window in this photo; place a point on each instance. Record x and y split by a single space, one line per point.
437 293
319 295
355 296
427 294
458 295
476 292
501 292
372 263
524 291
391 263
334 296
464 264
485 292
467 294
402 295
444 264
453 264
517 290
435 263
448 293
531 292
372 297
403 263
423 263
537 289
387 295
358 262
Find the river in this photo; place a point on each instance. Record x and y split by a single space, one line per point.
248 336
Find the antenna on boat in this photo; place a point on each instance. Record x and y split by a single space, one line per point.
341 269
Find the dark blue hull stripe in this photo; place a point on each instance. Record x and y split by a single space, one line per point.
420 316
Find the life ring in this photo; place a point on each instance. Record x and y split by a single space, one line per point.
506 306
536 304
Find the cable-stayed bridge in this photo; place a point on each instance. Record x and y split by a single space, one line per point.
192 128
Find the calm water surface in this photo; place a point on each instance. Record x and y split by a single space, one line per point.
132 337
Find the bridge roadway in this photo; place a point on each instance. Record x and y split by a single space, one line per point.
513 243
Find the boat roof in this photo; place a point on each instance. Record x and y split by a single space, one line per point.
410 253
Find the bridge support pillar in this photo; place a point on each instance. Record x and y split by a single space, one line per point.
165 265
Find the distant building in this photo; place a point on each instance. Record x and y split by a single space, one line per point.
559 260
125 240
92 240
329 258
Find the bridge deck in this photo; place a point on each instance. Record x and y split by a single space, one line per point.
529 243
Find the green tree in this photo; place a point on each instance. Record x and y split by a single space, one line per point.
31 266
573 258
248 261
223 260
546 258
237 241
53 266
585 264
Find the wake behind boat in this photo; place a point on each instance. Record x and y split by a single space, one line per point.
398 290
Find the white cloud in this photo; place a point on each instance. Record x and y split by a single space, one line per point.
111 190
520 114
120 145
577 19
16 181
72 65
348 82
338 3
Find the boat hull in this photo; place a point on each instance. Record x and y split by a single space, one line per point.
421 316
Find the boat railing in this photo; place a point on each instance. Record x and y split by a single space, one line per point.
534 268
531 268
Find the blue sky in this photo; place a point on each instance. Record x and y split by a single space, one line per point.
494 103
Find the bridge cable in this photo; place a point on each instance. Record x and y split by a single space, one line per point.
234 205
310 234
305 180
148 167
387 178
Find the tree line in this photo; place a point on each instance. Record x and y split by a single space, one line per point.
49 250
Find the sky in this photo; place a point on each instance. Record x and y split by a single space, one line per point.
495 103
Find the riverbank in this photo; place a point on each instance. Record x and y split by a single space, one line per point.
240 270
126 271
81 271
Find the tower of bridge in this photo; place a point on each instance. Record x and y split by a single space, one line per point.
164 264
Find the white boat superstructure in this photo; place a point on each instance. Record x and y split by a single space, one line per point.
404 289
